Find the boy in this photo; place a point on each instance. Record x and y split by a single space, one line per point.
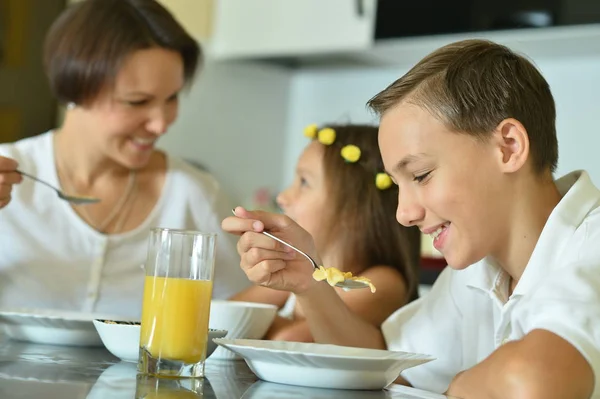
468 134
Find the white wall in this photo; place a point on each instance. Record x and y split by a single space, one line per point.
575 84
330 96
233 122
339 95
245 121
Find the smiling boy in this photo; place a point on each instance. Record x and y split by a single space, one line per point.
469 136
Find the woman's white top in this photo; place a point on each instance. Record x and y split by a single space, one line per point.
51 258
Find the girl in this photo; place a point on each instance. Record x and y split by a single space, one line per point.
344 199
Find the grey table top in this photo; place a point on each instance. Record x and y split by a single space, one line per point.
43 371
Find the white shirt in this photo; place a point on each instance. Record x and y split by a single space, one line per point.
287 310
468 314
51 258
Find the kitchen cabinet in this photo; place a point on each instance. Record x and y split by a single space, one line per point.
269 28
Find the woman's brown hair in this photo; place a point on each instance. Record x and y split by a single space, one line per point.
363 217
86 46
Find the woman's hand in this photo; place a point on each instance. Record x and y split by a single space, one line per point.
267 262
8 177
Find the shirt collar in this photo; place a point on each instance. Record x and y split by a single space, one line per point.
579 197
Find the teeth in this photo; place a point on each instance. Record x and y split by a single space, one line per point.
436 233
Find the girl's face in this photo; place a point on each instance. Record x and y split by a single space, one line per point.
126 120
305 200
450 185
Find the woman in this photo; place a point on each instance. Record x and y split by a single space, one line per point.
119 65
8 178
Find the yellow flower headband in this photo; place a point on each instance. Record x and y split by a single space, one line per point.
350 152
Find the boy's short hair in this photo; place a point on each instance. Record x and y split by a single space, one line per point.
471 86
86 46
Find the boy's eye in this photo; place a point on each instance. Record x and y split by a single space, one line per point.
421 178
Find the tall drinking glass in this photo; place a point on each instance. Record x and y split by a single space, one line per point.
176 304
148 387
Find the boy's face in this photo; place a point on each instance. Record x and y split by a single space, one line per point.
450 184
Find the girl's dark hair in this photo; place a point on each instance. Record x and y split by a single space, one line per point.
362 216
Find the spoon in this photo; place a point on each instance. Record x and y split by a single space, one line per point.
74 199
346 284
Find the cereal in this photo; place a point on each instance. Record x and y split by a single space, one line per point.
334 276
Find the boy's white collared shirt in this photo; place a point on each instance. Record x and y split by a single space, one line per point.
468 314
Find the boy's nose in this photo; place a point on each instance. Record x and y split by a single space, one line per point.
409 212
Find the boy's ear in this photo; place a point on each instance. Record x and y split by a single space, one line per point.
512 142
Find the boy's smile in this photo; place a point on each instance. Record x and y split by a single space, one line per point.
438 233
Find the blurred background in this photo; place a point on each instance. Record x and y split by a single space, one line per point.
274 66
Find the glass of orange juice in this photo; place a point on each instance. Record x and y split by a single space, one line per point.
176 303
148 387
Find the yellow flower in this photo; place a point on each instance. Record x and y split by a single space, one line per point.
310 131
327 136
351 153
383 181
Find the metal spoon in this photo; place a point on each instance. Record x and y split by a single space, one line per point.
346 284
74 199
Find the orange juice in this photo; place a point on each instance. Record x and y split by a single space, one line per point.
175 315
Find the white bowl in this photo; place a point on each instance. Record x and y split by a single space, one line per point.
123 339
321 365
51 326
242 320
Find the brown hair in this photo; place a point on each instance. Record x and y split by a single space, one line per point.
471 86
87 44
362 217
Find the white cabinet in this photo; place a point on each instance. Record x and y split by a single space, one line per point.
271 28
244 28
